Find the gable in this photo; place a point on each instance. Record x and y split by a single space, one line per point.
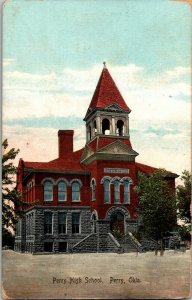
118 147
114 107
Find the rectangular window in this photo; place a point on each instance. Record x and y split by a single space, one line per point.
62 222
106 191
126 193
63 247
48 222
75 222
48 246
116 192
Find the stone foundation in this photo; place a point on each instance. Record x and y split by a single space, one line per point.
30 236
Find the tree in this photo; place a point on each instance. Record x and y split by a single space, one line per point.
184 197
8 239
184 205
11 198
157 205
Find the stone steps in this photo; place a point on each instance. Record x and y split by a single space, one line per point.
130 244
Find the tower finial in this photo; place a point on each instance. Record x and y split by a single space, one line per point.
104 64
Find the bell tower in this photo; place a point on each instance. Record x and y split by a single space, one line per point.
107 123
108 114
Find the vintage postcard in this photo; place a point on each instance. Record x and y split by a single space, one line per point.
96 149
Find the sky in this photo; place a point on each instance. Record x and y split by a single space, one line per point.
53 53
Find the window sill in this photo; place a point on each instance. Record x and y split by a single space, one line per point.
62 201
48 200
76 201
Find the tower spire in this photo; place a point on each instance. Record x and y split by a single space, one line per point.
104 65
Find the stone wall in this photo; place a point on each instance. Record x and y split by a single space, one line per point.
33 239
20 236
55 237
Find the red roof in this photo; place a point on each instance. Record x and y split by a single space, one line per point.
145 169
71 163
107 93
149 170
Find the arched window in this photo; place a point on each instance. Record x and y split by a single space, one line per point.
106 191
105 127
126 192
62 191
116 191
95 127
48 190
75 191
93 185
120 128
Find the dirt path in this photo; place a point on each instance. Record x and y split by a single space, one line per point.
109 275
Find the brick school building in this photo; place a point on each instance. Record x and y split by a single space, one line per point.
85 198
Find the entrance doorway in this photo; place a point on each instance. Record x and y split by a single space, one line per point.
117 222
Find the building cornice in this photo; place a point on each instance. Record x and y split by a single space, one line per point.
32 171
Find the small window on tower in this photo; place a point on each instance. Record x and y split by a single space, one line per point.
95 127
105 127
120 128
89 133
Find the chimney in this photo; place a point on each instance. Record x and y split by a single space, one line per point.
65 141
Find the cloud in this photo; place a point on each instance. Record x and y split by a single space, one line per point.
47 122
31 78
176 73
161 132
38 144
8 61
35 106
53 94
